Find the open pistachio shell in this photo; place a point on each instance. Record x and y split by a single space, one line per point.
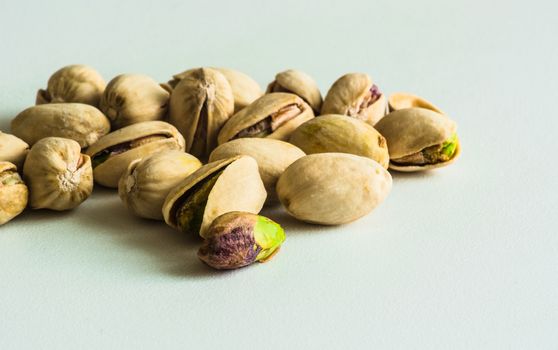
13 150
134 98
13 192
74 83
272 156
339 133
300 84
419 139
112 154
199 106
216 188
58 175
146 183
275 115
77 121
355 95
402 100
333 188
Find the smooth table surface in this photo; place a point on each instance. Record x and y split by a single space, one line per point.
465 257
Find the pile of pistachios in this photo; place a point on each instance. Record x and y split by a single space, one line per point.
206 151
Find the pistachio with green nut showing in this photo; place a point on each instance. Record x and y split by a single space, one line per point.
13 192
13 150
419 139
238 239
298 83
402 100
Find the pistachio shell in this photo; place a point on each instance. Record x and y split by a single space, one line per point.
77 121
411 130
263 110
339 133
237 188
134 98
132 142
13 150
147 182
74 83
333 188
272 156
58 175
13 192
245 89
355 95
298 83
402 100
199 106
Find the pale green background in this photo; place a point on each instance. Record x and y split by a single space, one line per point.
461 258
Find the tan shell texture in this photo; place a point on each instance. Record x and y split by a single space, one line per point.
13 192
245 89
13 150
403 100
300 84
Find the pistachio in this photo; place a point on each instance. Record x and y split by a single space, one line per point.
112 154
339 133
13 192
355 95
272 156
245 89
298 83
74 83
274 115
216 188
333 188
77 121
199 106
58 175
402 100
419 139
13 149
134 98
146 183
238 239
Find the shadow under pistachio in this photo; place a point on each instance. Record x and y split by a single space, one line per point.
291 225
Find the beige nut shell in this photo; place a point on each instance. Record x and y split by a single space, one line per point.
333 188
77 121
13 198
403 100
13 150
238 188
300 84
245 89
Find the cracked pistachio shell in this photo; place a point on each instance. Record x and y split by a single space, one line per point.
13 149
300 84
58 175
74 83
77 121
263 108
147 182
13 192
200 105
333 188
411 130
402 100
339 133
272 156
134 98
347 95
238 187
238 239
136 141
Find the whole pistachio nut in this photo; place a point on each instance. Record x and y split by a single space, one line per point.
74 83
13 192
238 239
216 188
134 98
273 115
298 83
339 133
402 100
333 188
272 156
112 154
13 150
200 105
58 175
146 183
355 95
77 121
419 139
